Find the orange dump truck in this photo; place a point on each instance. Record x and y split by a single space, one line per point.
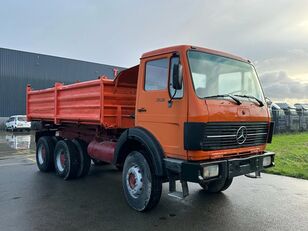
184 114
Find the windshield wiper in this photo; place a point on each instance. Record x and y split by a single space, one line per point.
238 102
261 104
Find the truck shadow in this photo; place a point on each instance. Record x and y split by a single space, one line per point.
98 199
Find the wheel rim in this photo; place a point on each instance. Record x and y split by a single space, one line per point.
60 160
41 154
134 182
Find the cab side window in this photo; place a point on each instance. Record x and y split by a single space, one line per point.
156 74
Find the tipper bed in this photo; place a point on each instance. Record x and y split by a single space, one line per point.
102 102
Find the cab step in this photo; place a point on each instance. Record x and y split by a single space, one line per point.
254 175
178 194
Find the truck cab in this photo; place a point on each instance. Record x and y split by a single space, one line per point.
218 98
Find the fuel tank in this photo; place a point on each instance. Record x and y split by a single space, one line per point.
103 151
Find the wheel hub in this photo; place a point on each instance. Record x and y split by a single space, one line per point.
60 160
134 181
41 154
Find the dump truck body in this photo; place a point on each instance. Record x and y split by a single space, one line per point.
97 102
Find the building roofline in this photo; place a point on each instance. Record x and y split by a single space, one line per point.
61 57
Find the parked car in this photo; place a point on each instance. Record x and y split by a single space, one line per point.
18 123
19 141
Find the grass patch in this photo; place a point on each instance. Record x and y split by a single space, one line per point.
291 155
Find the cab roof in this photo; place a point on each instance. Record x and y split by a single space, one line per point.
190 47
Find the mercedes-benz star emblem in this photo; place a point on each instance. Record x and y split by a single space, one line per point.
241 135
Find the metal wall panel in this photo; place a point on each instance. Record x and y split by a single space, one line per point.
18 68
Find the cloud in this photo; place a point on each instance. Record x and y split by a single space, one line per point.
118 32
279 85
293 61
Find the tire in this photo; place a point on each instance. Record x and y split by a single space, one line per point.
217 185
55 139
66 159
83 158
142 188
44 154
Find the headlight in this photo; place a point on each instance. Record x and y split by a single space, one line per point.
210 171
267 161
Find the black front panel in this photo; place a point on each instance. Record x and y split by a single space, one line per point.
215 136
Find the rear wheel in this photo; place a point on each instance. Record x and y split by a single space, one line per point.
66 159
217 185
142 188
83 158
44 154
55 139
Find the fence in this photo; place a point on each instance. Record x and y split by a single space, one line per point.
289 118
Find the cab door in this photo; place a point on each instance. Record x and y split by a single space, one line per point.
155 112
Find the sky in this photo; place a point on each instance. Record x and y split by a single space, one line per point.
272 34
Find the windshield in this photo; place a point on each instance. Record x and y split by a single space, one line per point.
217 75
22 118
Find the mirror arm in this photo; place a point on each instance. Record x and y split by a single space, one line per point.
171 99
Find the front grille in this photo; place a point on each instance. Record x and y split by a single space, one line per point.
224 135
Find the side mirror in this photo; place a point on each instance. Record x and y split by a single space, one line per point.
177 76
268 101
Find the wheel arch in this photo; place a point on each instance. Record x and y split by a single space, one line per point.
40 134
140 138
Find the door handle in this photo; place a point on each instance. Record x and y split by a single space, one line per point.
142 109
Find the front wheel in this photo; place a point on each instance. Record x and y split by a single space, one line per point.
217 185
142 188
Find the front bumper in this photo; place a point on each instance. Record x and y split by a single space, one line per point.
192 171
23 126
